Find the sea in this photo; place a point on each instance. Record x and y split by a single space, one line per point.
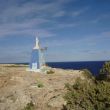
93 66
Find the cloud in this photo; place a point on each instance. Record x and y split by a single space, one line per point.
31 32
59 14
22 18
25 26
65 1
67 25
79 12
18 53
100 18
28 17
106 34
29 8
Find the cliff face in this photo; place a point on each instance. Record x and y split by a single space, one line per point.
18 88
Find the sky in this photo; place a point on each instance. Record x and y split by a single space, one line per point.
73 30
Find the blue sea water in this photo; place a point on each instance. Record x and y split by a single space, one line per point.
93 66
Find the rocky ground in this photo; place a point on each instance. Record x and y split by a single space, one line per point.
19 87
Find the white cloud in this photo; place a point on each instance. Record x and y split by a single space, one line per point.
64 1
79 12
27 18
59 14
106 34
31 17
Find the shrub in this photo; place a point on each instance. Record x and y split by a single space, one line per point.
87 73
105 72
50 72
40 84
88 96
106 68
29 106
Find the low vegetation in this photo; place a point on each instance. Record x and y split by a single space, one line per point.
87 73
29 106
50 72
89 95
40 84
105 72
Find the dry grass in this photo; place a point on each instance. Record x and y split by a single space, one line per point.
21 84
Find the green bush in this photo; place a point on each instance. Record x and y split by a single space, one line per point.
50 72
87 73
105 72
106 68
40 85
29 106
88 96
